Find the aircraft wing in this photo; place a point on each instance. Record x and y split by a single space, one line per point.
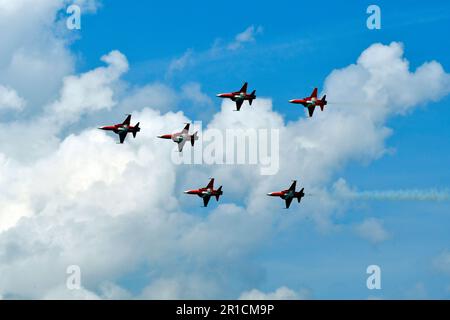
311 110
122 136
127 120
314 93
288 202
210 184
206 200
186 128
239 104
244 88
181 145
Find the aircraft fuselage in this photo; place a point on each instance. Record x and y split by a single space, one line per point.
237 96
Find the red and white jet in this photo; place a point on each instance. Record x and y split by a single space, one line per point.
181 137
207 192
122 129
289 194
311 102
240 96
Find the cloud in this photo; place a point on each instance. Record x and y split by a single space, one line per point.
192 91
180 63
282 293
9 99
62 293
342 190
442 262
417 292
191 58
35 45
381 81
248 35
118 211
372 230
159 96
156 96
92 91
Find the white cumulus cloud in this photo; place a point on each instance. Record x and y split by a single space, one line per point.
9 99
373 230
115 210
282 293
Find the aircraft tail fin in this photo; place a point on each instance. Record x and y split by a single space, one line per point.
137 129
324 100
253 96
194 137
219 193
300 195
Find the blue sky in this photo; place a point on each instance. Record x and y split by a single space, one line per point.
301 43
296 46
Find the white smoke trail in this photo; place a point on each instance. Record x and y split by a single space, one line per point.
401 195
342 190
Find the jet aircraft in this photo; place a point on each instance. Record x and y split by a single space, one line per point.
122 129
289 194
181 137
240 96
311 102
207 192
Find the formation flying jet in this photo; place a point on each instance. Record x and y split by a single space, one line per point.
181 137
240 96
311 102
289 194
207 192
122 129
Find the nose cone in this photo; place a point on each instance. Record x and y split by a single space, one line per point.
103 128
165 136
270 194
293 101
220 95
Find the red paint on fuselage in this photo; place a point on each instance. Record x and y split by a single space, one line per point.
119 127
311 102
205 191
237 96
